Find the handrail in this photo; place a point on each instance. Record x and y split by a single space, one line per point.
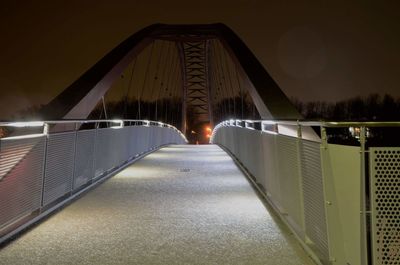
45 123
40 123
281 122
30 167
322 123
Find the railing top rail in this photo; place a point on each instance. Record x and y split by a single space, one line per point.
119 124
7 123
76 121
322 123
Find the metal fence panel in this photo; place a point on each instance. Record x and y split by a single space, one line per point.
113 154
342 190
139 132
36 171
132 141
145 138
385 198
121 146
270 180
59 166
313 195
21 161
84 157
253 153
152 138
289 179
103 144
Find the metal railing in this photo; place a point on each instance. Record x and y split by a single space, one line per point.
341 201
41 171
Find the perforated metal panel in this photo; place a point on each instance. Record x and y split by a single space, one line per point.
124 145
271 182
289 179
21 185
252 153
145 138
141 139
83 171
385 198
133 141
103 145
118 146
10 157
314 204
32 177
59 166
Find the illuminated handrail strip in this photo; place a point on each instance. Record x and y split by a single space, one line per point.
121 122
321 123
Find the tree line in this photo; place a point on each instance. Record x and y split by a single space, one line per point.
371 108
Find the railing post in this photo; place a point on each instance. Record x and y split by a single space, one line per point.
363 206
94 154
300 180
74 164
46 139
327 201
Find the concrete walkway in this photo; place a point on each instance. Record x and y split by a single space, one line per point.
180 205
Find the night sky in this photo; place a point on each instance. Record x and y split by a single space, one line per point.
315 50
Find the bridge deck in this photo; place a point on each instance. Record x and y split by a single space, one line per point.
179 205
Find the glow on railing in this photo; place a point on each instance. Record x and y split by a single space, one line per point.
121 124
249 124
46 125
25 124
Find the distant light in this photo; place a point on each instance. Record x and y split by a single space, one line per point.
192 132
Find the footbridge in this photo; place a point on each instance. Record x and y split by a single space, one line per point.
203 161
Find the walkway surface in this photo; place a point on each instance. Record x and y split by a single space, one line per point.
180 205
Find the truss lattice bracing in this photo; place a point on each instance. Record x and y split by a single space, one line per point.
196 84
80 98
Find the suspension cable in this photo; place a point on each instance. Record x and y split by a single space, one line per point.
220 82
213 85
153 85
129 87
171 72
223 66
158 93
217 92
174 90
145 77
228 69
240 88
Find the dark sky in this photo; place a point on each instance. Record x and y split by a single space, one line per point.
315 50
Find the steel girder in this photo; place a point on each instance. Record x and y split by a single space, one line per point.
78 100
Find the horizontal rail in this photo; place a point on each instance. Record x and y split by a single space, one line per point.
38 171
330 191
120 123
41 123
324 123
